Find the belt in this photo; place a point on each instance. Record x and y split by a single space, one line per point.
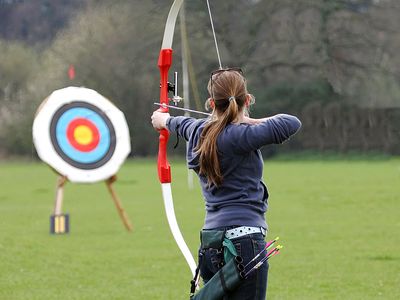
243 230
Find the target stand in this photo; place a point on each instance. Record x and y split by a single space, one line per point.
85 138
59 222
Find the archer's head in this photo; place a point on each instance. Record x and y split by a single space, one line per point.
228 94
228 100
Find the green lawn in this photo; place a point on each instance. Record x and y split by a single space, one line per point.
339 222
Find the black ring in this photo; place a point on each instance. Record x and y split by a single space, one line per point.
85 166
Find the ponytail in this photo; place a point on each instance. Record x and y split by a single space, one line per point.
230 90
208 150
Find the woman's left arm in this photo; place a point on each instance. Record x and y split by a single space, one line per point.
181 125
159 120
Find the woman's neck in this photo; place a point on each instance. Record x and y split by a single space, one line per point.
240 118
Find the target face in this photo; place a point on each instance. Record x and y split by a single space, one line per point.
86 137
83 135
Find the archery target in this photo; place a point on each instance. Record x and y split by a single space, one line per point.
81 134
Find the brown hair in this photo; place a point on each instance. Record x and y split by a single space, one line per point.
228 92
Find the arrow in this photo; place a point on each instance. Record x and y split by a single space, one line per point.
180 108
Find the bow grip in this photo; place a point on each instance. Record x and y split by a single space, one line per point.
164 64
164 168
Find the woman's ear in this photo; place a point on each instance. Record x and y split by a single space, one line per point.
248 100
212 103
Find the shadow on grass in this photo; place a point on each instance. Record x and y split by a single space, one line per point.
384 258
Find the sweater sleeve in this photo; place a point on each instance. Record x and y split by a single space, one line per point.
274 130
183 126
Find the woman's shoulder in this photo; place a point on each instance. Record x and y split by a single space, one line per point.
232 132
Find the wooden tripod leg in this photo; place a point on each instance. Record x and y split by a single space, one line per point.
59 195
59 222
117 203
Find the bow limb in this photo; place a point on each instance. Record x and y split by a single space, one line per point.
164 168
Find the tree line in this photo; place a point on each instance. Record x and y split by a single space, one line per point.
334 63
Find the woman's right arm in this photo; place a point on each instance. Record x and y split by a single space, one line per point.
261 132
251 121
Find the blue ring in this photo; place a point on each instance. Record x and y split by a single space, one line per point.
61 134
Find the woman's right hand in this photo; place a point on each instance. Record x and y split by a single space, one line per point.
159 120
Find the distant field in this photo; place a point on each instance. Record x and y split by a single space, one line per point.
338 220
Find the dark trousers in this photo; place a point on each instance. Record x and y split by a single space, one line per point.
252 288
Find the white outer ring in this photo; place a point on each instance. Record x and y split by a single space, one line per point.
44 146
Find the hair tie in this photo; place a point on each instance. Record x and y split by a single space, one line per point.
231 98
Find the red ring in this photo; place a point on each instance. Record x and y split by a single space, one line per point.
95 135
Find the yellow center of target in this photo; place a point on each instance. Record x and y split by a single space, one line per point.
83 135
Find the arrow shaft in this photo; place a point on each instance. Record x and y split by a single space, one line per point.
183 109
267 246
262 261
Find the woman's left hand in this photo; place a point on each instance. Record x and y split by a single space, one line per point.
159 120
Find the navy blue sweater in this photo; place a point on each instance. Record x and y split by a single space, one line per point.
242 198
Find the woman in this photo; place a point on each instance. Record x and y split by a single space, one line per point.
224 150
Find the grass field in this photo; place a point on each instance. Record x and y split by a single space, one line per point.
338 220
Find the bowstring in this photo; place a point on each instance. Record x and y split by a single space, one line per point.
214 35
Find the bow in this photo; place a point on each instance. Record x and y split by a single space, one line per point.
164 168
